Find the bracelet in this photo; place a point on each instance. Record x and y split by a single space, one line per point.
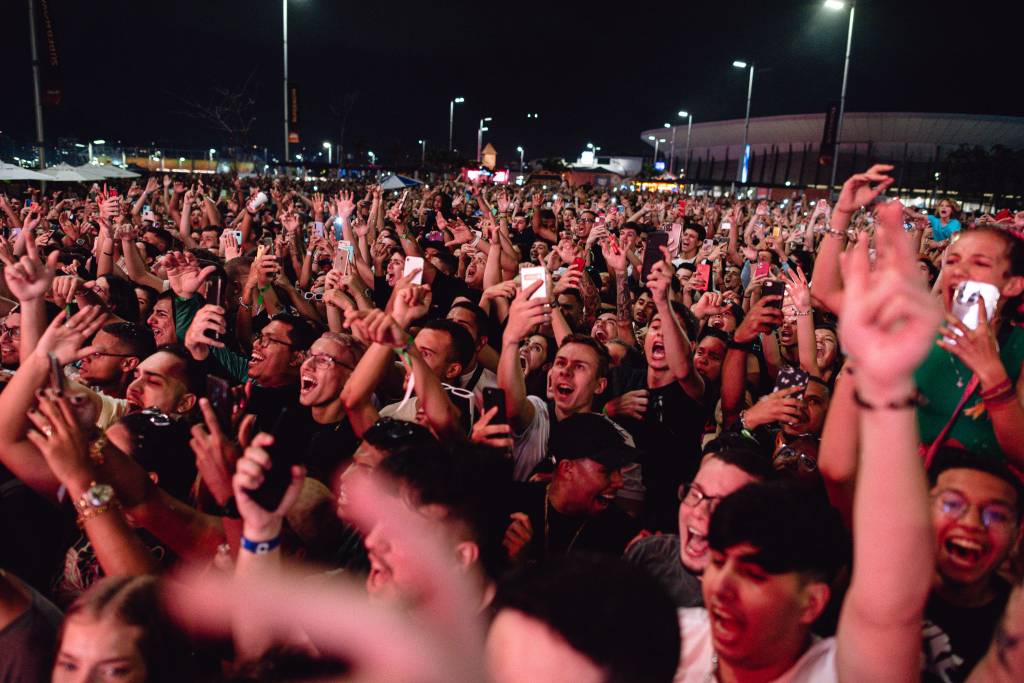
243 305
741 346
997 390
260 547
913 401
1008 395
108 253
743 421
805 313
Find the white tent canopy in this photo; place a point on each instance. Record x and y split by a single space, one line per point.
65 173
102 171
398 182
12 172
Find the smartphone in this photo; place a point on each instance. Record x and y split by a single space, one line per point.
56 375
652 254
343 257
709 244
287 431
620 208
145 208
318 229
774 288
790 376
579 264
531 274
777 231
218 391
112 192
412 263
261 248
969 296
726 225
435 236
28 203
494 396
703 277
217 295
238 237
763 269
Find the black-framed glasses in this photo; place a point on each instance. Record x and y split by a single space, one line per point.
692 495
14 332
264 340
322 360
955 505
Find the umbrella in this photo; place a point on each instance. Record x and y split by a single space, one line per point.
12 172
398 182
64 173
101 171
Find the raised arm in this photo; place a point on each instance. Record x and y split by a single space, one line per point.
678 351
523 316
887 327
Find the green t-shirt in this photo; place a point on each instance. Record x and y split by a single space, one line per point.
937 379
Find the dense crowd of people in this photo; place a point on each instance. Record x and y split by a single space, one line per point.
277 429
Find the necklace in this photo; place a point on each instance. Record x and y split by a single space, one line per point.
547 524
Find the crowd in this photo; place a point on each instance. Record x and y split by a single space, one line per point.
271 429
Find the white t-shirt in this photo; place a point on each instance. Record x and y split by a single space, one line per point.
817 665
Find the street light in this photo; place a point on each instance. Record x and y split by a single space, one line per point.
740 175
689 129
672 151
451 119
330 152
212 152
656 142
373 157
837 5
423 150
522 165
480 136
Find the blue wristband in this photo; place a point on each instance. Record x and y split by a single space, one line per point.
261 547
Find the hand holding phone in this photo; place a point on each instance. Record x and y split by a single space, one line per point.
414 263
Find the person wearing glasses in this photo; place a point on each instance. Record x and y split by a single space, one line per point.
118 350
976 514
678 561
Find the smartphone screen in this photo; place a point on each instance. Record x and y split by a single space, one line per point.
531 274
343 258
412 263
762 269
652 254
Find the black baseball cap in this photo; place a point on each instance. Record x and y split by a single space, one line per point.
590 435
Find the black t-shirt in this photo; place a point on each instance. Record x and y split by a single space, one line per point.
266 404
329 446
954 639
669 437
608 532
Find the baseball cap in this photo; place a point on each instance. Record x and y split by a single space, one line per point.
590 435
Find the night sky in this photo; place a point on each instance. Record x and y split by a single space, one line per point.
594 72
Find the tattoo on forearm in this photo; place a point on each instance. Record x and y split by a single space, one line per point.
622 298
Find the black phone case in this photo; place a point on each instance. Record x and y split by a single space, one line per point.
283 455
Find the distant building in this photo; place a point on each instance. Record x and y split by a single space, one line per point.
934 154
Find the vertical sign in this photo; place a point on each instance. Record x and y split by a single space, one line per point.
828 135
293 114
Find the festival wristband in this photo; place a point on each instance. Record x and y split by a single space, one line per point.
260 547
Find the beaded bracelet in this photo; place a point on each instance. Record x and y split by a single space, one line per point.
914 400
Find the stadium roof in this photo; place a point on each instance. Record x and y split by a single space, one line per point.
875 127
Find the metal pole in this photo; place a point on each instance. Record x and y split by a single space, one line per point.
746 126
656 141
522 164
672 153
330 154
451 123
689 130
423 153
842 106
479 139
284 35
35 84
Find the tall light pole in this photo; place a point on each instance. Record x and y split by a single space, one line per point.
480 136
672 152
451 120
689 129
284 39
838 5
656 141
35 85
746 125
330 152
212 152
423 151
522 164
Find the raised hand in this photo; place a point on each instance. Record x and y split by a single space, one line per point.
491 435
216 454
64 336
858 191
710 303
779 406
28 278
614 255
762 318
209 319
525 314
184 274
259 524
411 303
630 404
375 326
798 289
60 439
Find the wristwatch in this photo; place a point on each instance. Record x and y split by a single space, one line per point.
94 501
